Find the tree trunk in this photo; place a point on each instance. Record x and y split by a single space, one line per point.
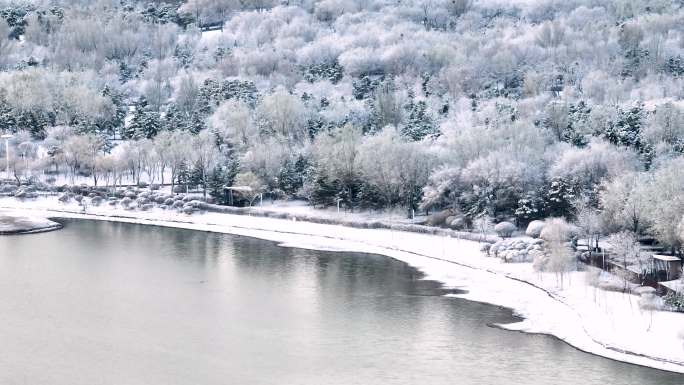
204 183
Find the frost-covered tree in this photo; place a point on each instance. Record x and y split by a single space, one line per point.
625 201
336 157
284 115
665 207
556 233
585 168
233 121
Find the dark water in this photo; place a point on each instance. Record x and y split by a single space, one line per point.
107 303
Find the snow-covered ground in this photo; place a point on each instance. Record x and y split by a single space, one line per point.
297 207
10 223
605 323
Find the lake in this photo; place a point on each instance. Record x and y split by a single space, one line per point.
111 303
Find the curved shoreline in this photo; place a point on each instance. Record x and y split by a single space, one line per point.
544 311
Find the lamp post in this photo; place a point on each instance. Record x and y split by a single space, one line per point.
7 137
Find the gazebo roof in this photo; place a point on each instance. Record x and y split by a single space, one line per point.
667 258
238 188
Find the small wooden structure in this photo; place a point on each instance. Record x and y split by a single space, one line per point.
244 190
229 190
667 267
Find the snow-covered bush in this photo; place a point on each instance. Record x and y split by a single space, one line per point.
674 301
8 188
24 193
505 229
439 218
96 200
534 229
456 222
64 197
517 250
147 207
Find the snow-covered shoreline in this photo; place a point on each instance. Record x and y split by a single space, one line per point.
11 224
608 324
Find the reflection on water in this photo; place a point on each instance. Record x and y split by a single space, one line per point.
107 303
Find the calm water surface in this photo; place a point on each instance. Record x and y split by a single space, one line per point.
108 303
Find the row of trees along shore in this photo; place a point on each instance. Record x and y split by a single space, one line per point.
513 111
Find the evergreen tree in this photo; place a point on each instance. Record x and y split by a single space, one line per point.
674 66
183 175
116 122
146 123
8 122
530 207
363 87
324 191
196 123
173 119
578 117
559 198
626 130
419 124
35 122
183 55
126 73
332 71
371 197
215 185
151 126
137 121
291 176
209 96
314 126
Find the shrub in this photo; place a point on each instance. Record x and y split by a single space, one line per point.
505 229
534 229
457 223
556 229
96 201
675 301
439 219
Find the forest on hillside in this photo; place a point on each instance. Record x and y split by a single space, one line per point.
493 109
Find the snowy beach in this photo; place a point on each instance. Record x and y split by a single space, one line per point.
609 324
